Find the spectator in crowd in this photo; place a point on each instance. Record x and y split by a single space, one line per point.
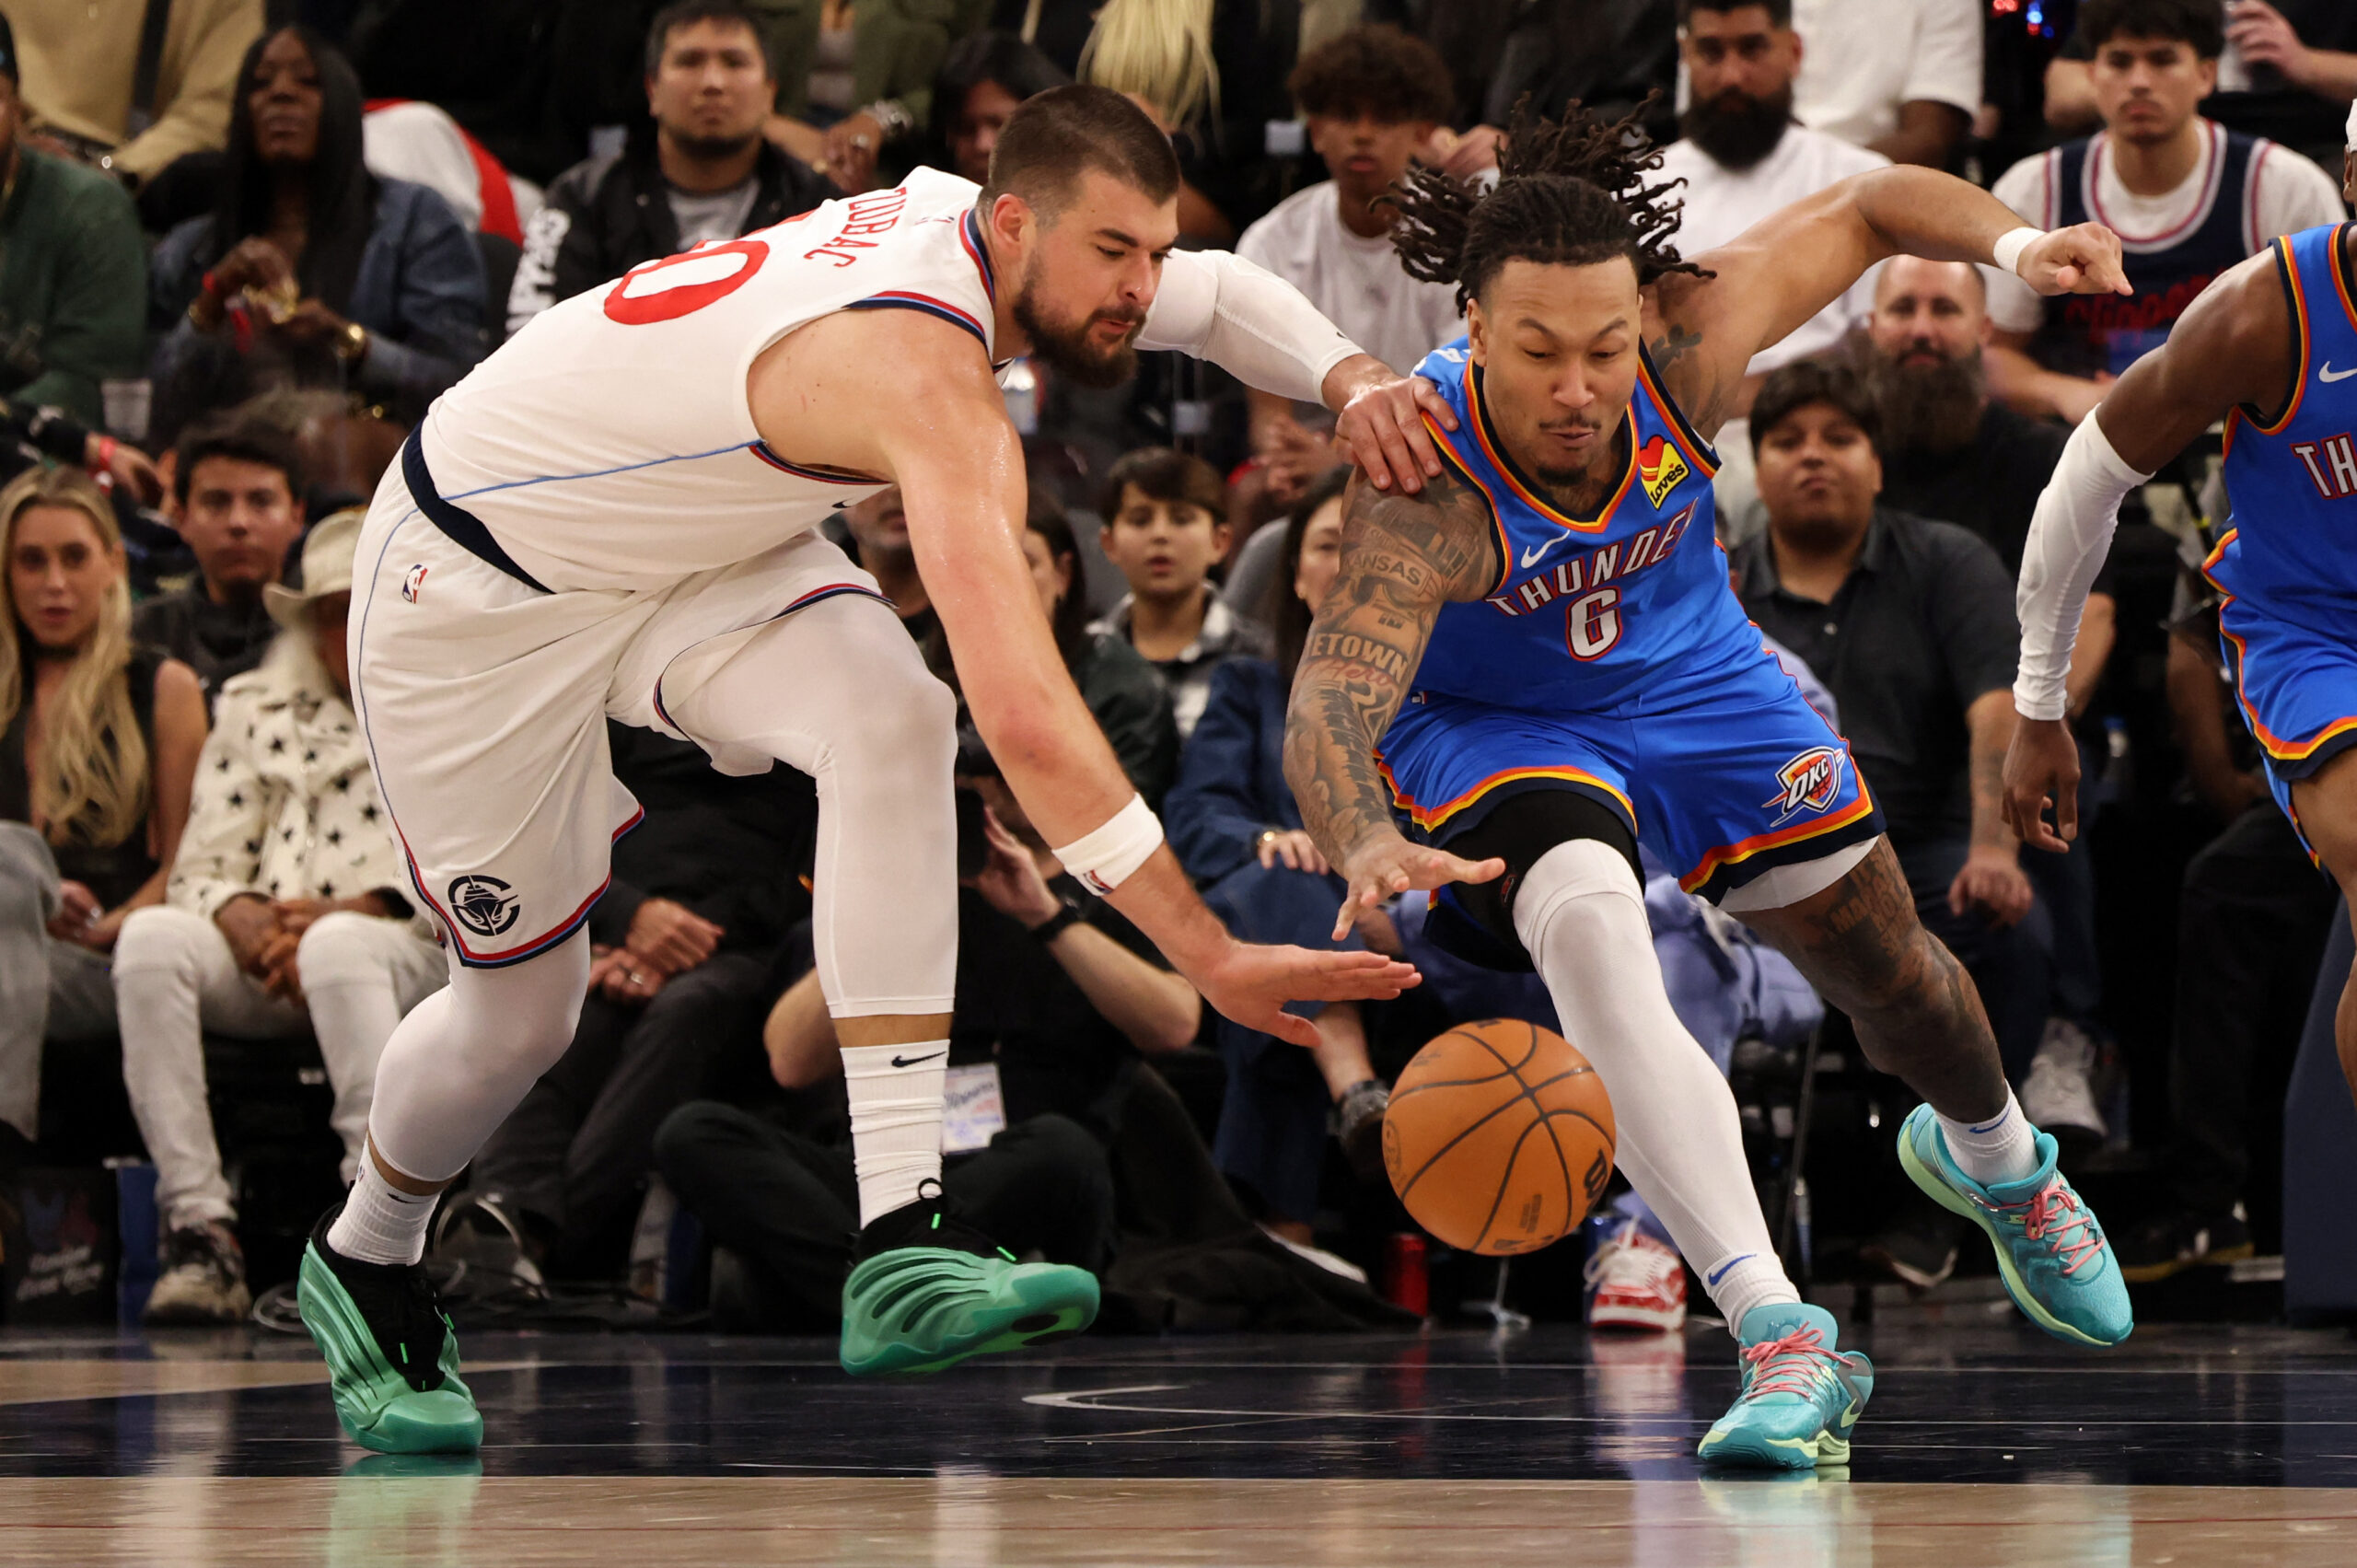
685 946
704 172
856 78
2188 198
879 527
1910 624
985 79
1609 54
1372 99
97 96
31 436
1166 528
73 269
1952 455
239 489
1743 158
2288 72
312 270
1901 78
285 913
2251 928
1236 829
99 742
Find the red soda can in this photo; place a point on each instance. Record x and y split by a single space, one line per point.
1405 1282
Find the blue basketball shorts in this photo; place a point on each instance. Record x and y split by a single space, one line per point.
2298 691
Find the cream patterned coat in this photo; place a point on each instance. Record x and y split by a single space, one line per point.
284 804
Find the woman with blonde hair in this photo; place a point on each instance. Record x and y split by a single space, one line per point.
98 741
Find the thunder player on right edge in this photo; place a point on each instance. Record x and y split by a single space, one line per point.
2269 348
1539 658
616 514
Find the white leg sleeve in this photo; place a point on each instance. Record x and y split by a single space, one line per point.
1582 915
840 691
360 974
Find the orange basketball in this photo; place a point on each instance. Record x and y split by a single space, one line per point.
1499 1138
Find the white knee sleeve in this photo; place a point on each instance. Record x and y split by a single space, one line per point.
1581 914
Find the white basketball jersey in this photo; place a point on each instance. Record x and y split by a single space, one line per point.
610 444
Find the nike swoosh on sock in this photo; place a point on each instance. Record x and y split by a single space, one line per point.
914 1061
1720 1273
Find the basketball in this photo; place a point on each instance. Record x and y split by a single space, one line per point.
1499 1138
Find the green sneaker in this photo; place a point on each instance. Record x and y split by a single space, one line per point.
2051 1252
1801 1396
392 1360
927 1292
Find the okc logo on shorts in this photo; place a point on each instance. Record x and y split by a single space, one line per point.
484 905
412 581
1811 781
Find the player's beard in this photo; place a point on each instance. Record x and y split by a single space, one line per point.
1737 129
1930 408
1066 349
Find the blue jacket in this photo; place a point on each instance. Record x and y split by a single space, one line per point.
419 292
1231 783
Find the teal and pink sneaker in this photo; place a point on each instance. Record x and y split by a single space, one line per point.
1801 1396
2050 1250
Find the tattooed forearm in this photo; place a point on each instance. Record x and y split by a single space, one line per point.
1402 559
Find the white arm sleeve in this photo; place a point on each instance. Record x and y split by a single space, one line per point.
2068 537
1245 319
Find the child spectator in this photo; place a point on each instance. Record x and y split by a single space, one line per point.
99 742
311 270
1372 97
1238 832
285 913
239 486
1166 528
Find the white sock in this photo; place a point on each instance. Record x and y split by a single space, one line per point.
1582 916
1993 1153
895 1121
381 1224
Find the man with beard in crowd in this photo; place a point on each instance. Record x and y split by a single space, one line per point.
1744 157
1951 454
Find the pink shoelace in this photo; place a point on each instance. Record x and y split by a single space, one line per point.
1788 1365
2053 1216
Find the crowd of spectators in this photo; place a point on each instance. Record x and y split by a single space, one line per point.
255 240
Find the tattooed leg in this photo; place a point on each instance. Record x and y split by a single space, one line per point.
1917 1014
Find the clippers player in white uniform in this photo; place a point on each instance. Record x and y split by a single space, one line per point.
615 515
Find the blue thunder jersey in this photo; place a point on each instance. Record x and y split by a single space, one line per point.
2288 568
1585 611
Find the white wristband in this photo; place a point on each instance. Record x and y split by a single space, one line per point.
1104 858
2007 251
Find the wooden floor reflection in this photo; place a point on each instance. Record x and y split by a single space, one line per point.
385 1515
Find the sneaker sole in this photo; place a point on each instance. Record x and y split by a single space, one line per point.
1947 1197
438 1421
2153 1273
1748 1450
1638 1318
1044 1312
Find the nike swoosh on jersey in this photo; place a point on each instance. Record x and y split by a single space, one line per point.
1532 557
2329 376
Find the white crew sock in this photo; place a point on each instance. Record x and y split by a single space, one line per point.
381 1224
895 1094
2003 1149
1582 916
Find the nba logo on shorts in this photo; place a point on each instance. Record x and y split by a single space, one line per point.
413 581
1810 781
484 905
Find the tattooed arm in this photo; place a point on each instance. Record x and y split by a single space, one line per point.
1774 276
1404 558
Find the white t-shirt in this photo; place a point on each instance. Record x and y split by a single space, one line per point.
2283 193
713 215
1720 204
1862 59
1356 283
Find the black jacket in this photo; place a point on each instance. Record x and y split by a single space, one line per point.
605 216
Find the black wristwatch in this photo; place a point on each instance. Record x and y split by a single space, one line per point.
1056 924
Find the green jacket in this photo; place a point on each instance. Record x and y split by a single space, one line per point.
897 48
73 286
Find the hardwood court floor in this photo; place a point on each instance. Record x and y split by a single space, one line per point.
1985 1444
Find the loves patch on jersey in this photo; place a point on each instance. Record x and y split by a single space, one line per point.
1810 781
1659 469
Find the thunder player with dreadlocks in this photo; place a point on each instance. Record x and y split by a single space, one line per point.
1539 659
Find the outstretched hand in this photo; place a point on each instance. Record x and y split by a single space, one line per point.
1251 984
1389 865
2042 771
2081 258
1382 422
